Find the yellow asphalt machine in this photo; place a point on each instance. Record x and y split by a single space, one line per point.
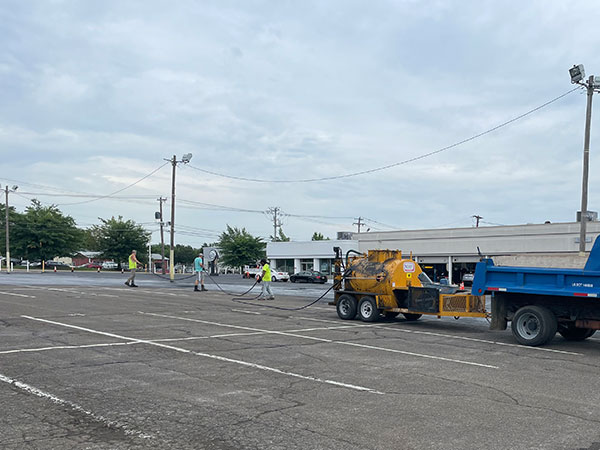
383 283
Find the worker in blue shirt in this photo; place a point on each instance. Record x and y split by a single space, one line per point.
199 268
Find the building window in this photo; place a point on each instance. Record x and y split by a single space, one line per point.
285 265
325 266
306 264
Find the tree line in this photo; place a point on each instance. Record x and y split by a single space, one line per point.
41 233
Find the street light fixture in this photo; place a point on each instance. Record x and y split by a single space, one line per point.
185 159
577 73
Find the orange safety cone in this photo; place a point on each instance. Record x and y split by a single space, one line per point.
54 269
462 286
72 270
98 269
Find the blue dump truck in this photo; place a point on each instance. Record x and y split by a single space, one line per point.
541 301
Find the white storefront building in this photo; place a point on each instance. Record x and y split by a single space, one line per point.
449 252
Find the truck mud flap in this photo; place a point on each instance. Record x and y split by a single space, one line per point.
498 321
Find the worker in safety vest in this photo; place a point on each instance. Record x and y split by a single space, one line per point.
133 262
265 276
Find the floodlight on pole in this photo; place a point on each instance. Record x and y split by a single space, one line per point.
577 73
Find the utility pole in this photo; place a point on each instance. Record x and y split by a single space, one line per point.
162 235
477 219
577 74
6 190
358 223
7 234
586 166
274 210
185 159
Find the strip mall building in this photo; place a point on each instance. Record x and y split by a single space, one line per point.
449 252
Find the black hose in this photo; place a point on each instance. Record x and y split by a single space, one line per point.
281 308
352 251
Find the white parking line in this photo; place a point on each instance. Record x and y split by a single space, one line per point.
74 406
330 341
451 336
216 357
247 312
62 347
17 295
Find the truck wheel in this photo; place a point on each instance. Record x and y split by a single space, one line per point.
411 317
534 325
367 309
346 307
571 333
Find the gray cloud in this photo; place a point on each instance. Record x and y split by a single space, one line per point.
96 94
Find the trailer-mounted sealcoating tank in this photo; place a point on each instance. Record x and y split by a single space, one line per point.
383 282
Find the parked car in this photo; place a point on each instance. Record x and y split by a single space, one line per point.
91 265
57 264
109 265
309 276
277 275
468 279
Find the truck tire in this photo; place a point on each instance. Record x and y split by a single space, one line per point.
533 325
411 317
367 309
346 307
571 333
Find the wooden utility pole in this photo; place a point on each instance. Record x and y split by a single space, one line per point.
477 219
586 164
358 223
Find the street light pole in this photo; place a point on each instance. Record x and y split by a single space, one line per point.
6 218
172 249
7 234
586 165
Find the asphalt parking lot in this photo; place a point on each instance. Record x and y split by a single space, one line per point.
97 365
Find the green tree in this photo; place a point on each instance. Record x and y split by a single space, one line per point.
238 247
13 216
43 233
318 237
116 239
184 254
281 237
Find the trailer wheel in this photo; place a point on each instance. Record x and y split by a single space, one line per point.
411 317
571 333
367 309
346 307
534 325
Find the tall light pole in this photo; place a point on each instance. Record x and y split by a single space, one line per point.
184 159
593 83
7 190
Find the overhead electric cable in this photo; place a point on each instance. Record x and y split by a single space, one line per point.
399 163
120 190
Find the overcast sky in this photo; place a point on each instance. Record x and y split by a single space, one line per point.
96 94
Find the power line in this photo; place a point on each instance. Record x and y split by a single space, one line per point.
399 163
120 190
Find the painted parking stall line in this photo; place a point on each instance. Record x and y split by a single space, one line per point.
329 341
451 336
211 356
14 294
75 407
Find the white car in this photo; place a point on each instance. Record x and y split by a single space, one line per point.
277 275
109 265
